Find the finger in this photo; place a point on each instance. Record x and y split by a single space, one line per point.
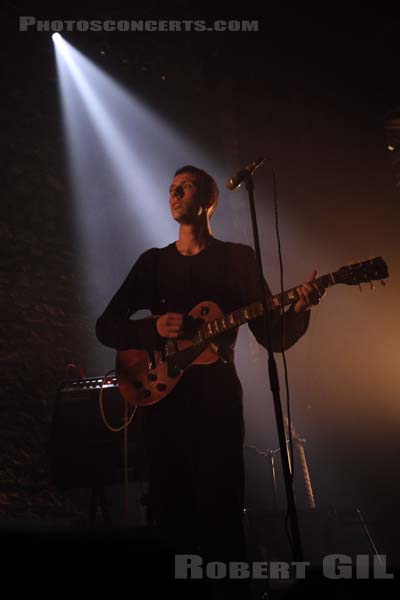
304 290
312 293
303 297
308 288
318 290
178 320
171 334
173 329
311 290
313 275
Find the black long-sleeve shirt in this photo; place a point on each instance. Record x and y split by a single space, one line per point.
194 436
163 280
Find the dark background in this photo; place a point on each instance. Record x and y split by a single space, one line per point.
310 91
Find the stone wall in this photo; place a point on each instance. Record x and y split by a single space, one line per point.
43 323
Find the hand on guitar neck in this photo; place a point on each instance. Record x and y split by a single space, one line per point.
310 293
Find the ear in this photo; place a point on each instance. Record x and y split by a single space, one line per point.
204 207
207 203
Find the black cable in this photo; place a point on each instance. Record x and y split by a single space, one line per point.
283 332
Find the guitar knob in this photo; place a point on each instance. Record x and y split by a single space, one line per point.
152 377
161 387
204 311
146 393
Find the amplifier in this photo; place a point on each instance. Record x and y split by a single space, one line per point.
83 452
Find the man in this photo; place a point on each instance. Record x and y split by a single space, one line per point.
195 434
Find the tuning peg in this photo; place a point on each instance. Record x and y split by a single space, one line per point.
371 285
383 283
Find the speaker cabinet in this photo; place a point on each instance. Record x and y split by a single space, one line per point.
83 452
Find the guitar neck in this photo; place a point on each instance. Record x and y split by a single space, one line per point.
291 296
242 315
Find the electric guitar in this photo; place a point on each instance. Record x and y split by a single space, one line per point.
145 378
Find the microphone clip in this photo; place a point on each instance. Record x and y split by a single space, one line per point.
236 181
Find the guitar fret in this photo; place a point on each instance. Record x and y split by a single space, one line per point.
222 323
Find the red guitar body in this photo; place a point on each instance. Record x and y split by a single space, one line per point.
143 380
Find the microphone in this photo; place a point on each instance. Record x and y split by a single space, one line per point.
236 181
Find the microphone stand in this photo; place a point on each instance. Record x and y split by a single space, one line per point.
274 384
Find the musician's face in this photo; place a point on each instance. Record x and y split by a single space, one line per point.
185 198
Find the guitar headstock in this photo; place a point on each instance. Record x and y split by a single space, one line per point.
373 269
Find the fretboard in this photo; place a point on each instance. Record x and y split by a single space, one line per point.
242 315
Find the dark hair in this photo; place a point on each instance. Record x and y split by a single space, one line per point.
207 185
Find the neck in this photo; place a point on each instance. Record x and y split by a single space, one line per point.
193 238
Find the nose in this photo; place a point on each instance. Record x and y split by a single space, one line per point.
178 192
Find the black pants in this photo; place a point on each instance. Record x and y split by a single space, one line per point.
194 440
